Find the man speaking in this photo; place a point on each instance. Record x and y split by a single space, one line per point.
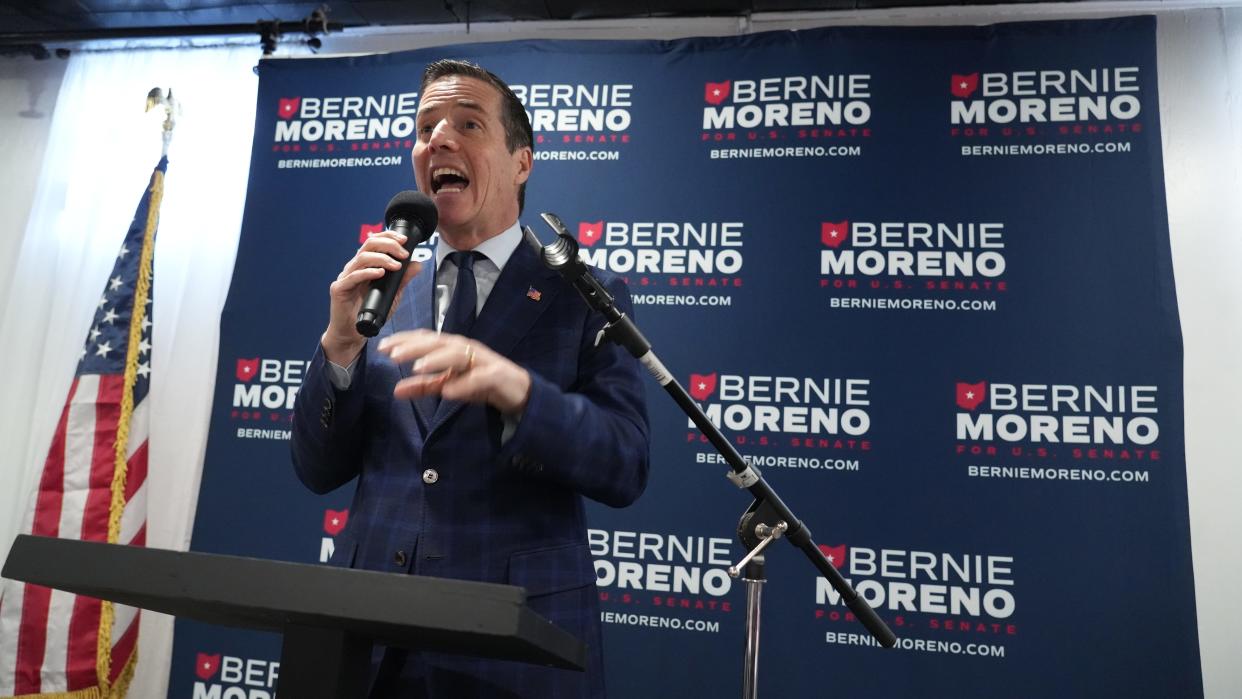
474 429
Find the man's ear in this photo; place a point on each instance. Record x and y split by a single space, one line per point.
525 158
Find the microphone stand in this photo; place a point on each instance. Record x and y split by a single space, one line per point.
767 518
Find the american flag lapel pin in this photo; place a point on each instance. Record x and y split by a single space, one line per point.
534 294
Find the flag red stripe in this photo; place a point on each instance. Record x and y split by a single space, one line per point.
83 641
103 459
136 474
52 483
84 622
36 601
32 640
122 648
140 539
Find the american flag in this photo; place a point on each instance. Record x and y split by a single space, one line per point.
93 488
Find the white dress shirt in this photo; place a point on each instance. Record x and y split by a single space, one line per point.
496 252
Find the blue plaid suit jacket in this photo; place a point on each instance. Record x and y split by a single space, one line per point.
505 513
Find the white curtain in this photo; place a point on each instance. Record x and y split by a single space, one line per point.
28 91
100 153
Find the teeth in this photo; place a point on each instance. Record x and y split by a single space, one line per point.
439 173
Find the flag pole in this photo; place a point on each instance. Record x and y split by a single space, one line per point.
157 97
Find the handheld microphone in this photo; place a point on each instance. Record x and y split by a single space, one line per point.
414 215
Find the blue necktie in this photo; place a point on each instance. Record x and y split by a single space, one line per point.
460 316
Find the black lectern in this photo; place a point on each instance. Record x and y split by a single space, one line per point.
329 617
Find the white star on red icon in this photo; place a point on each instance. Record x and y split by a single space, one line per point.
702 386
962 85
970 394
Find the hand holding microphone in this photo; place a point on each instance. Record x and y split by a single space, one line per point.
370 284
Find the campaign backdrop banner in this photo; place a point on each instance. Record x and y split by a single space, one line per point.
920 276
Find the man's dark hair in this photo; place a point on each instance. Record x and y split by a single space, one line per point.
512 113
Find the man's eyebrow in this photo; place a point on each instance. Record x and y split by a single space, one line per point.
466 103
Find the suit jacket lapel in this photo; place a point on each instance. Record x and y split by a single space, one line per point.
415 311
510 311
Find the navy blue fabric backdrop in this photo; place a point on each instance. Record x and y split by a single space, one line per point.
920 275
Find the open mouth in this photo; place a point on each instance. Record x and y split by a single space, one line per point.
447 179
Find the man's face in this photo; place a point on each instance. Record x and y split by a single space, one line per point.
461 160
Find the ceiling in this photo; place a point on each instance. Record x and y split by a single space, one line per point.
48 20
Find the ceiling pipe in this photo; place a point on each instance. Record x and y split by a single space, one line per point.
258 28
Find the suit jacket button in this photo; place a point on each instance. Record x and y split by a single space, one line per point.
430 476
399 558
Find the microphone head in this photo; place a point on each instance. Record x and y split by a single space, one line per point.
415 208
563 251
